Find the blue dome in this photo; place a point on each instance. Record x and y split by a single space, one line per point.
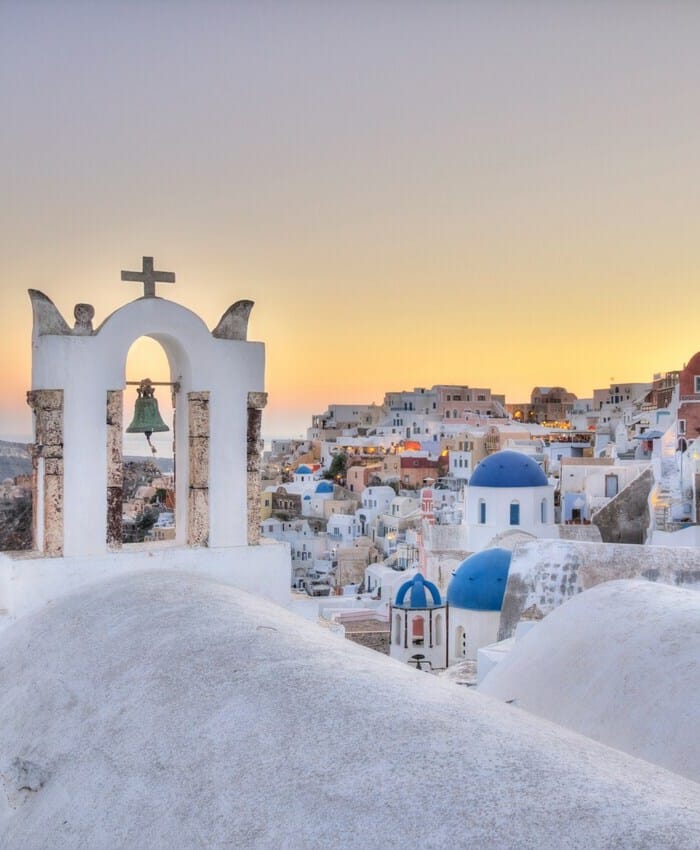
479 582
324 487
508 469
416 587
306 497
302 470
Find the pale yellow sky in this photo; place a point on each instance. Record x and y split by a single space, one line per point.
489 193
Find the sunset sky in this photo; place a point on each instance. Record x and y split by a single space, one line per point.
497 194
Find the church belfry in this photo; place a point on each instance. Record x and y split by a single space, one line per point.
78 380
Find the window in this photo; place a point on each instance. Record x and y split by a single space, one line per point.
697 384
482 512
438 630
543 511
681 426
515 513
611 486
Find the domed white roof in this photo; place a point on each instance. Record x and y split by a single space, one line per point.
618 663
164 710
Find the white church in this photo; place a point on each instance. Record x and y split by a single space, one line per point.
508 490
162 696
432 632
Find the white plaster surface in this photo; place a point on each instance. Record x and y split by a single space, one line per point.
480 629
498 501
29 583
619 663
165 710
86 367
546 573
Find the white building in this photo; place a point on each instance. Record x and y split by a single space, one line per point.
313 503
508 491
475 597
418 620
375 500
588 484
343 529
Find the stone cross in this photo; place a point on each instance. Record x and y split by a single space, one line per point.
149 277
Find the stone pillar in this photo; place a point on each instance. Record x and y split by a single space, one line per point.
48 447
256 403
115 469
198 496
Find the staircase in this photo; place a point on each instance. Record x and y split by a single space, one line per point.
661 497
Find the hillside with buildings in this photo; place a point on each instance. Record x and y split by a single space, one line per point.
459 536
390 486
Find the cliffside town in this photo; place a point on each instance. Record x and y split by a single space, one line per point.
376 490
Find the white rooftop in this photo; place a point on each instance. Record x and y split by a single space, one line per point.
619 663
165 710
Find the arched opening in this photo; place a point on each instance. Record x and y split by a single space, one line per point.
417 630
482 512
543 511
148 470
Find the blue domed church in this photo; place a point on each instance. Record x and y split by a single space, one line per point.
418 620
432 632
475 598
508 492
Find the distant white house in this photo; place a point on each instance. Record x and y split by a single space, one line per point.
375 500
343 529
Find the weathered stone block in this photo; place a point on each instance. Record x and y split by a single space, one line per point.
199 461
114 517
53 466
45 399
198 517
50 427
253 527
115 405
53 514
51 451
198 414
257 400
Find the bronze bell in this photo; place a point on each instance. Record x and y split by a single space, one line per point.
147 418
